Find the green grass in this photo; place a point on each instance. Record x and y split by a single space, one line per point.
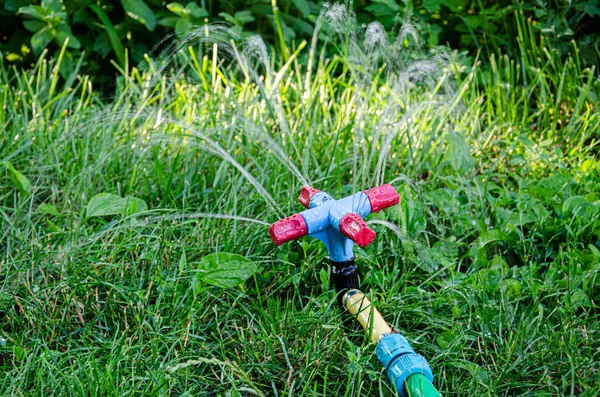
490 264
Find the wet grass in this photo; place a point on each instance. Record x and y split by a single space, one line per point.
490 265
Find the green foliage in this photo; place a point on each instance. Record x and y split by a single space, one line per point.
489 25
127 29
225 270
19 180
187 17
107 204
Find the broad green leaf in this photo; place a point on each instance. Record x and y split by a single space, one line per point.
47 209
104 204
228 18
177 9
182 262
196 11
134 205
456 311
52 5
580 298
514 288
41 39
225 270
592 9
455 5
432 5
182 27
303 7
384 7
66 65
474 21
108 204
36 12
458 152
21 183
578 206
62 35
595 251
445 339
443 253
412 213
489 237
589 165
301 25
138 10
34 26
19 352
169 21
53 227
478 250
14 5
243 17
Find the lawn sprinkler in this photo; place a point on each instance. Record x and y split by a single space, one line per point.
339 224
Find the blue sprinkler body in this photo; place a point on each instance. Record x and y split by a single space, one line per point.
337 223
327 228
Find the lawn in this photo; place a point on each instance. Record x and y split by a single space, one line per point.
110 204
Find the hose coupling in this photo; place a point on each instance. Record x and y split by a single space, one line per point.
401 361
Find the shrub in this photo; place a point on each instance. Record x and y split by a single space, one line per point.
125 30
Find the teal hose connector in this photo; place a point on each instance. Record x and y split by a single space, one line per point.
401 361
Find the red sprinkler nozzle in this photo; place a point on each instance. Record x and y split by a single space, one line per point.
307 193
288 229
382 197
355 228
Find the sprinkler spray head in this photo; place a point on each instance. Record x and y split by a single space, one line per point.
337 223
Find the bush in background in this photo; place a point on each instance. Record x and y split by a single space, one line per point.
125 30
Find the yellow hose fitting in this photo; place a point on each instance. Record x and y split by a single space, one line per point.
367 315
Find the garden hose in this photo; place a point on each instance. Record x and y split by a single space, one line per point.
407 371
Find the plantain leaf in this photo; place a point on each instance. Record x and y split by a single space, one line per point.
108 204
225 270
47 209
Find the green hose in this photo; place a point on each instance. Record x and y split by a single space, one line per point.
417 385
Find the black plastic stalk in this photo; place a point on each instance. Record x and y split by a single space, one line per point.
345 277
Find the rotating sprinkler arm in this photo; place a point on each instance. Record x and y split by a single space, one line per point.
339 224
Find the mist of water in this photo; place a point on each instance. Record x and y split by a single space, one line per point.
388 66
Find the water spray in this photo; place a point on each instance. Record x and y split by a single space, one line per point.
339 224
